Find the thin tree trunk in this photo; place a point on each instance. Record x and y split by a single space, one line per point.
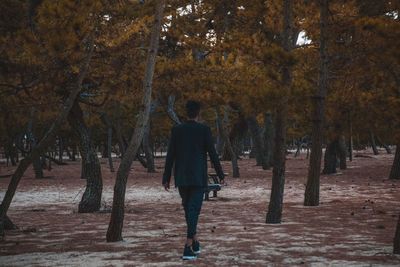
311 195
395 171
220 140
228 145
171 111
269 136
146 141
351 143
147 151
373 144
91 199
387 148
74 89
396 240
37 165
118 128
302 142
342 149
114 232
226 149
107 123
60 148
258 146
274 213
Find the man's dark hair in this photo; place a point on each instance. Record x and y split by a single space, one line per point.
192 109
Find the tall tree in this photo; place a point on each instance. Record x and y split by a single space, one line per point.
114 232
311 195
227 143
73 87
274 213
91 169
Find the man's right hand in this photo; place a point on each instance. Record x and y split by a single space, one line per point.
222 181
166 186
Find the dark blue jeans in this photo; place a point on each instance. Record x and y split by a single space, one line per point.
192 198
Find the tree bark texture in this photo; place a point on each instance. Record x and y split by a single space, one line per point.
373 143
238 133
342 151
395 170
351 145
60 148
146 141
118 127
396 240
330 157
274 213
171 111
226 148
74 88
311 195
91 199
269 136
258 145
220 139
37 164
228 145
303 140
107 123
114 232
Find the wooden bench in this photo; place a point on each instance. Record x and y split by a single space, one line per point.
213 185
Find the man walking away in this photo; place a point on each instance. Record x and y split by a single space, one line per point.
190 142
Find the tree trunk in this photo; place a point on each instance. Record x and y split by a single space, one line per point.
118 128
351 143
107 123
395 171
171 111
311 195
258 146
274 213
302 142
9 151
114 232
37 164
74 89
227 142
269 136
146 141
226 149
147 150
342 151
387 148
220 139
238 133
91 199
396 240
373 144
73 152
60 148
330 158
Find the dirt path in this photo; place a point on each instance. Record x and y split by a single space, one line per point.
354 225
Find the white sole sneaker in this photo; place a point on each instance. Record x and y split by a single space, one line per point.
189 257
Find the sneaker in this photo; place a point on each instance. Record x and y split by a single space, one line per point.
188 253
196 247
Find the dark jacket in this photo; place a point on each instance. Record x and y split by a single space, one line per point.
188 147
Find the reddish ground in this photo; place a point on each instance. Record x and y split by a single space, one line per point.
354 224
